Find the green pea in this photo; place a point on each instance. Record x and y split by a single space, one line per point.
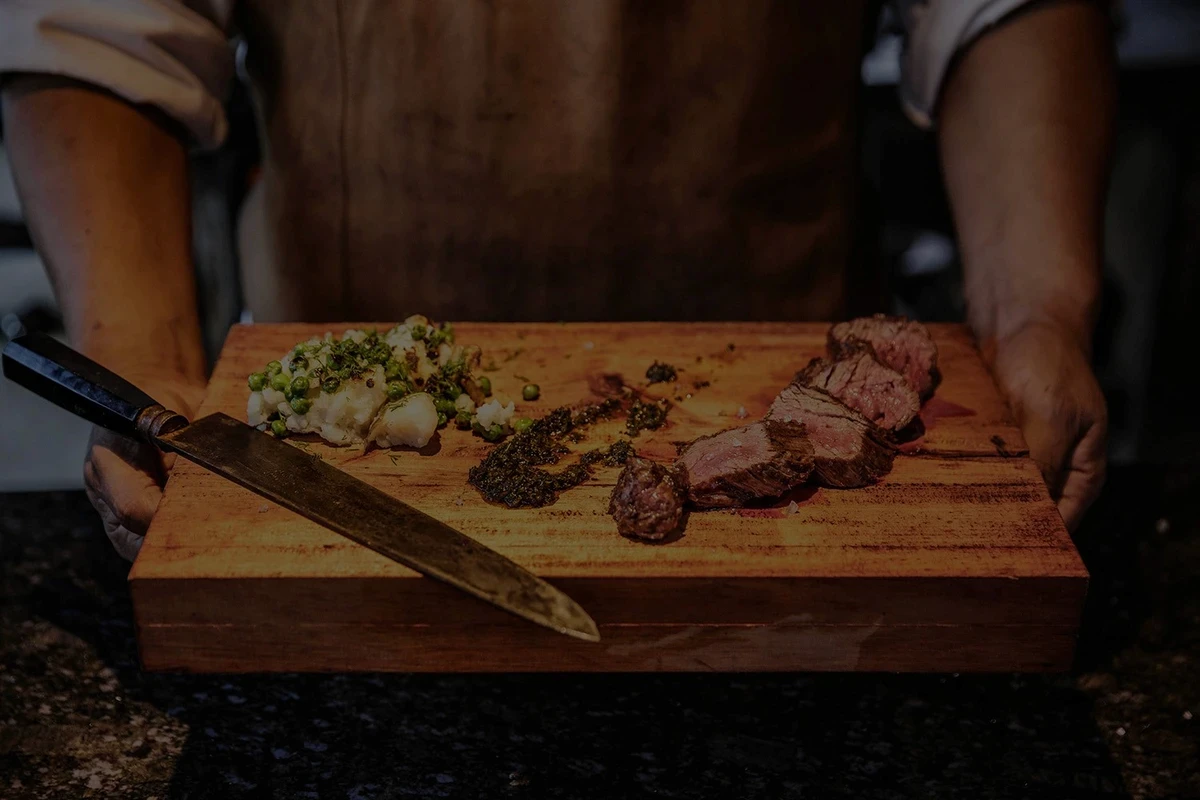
396 390
445 407
485 386
279 428
417 331
463 419
280 382
531 391
273 368
492 434
299 386
300 405
331 384
522 424
441 419
258 381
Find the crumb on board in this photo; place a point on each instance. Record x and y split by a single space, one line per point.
741 412
661 372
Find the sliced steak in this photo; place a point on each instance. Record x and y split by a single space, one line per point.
862 383
901 344
848 450
647 501
763 459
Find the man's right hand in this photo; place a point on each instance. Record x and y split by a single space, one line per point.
124 478
104 190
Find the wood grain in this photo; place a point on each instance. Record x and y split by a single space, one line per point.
956 561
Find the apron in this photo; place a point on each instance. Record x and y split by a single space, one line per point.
583 160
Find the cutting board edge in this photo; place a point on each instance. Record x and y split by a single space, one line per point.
1032 600
623 649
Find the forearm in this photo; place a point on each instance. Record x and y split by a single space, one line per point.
104 190
1024 135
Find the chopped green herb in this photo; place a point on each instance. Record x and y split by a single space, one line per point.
512 473
645 416
444 335
394 369
660 373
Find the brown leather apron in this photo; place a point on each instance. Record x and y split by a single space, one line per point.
592 159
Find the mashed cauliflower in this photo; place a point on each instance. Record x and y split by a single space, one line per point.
395 388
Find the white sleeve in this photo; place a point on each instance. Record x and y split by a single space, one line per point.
935 31
169 54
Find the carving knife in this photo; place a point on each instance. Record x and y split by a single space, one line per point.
293 479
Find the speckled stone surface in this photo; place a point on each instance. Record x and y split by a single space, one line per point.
78 719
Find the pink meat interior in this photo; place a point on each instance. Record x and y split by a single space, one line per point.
726 453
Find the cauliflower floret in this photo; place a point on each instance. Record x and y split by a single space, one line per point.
464 403
256 410
409 421
493 413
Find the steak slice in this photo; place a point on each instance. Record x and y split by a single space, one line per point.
901 344
848 450
876 391
647 501
763 459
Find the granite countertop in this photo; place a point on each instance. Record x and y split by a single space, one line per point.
78 719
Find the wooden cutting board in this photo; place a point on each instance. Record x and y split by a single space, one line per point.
956 561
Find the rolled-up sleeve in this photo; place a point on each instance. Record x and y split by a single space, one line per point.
935 30
170 55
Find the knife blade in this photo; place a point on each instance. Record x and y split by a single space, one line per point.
293 479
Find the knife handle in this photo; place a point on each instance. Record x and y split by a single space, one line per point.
73 381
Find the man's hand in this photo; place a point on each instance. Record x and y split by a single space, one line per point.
124 478
1025 131
105 193
1048 381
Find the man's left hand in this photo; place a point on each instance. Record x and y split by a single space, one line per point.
1048 380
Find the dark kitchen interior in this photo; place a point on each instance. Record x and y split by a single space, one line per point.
79 718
